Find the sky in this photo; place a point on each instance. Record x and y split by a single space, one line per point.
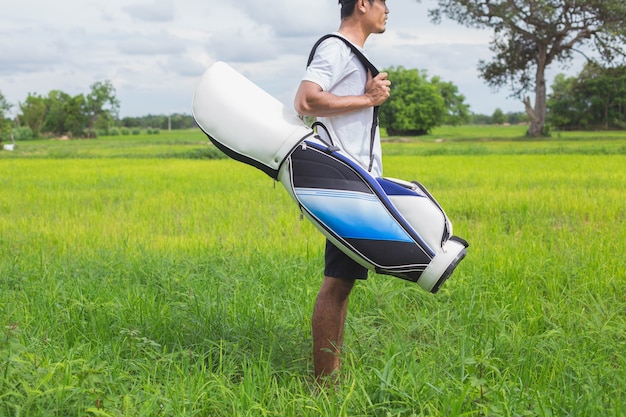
155 51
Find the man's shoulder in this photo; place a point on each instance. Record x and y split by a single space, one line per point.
334 43
332 49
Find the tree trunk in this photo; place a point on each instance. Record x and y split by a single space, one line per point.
530 111
537 115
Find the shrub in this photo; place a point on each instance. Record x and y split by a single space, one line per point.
23 133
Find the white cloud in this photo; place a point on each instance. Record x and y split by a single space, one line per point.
159 43
184 65
244 44
16 60
157 11
154 51
289 18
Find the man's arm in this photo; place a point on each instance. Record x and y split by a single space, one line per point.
311 100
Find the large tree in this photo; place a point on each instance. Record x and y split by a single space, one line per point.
529 35
56 102
34 111
101 105
418 104
415 105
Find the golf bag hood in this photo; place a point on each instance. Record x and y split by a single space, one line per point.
240 119
388 225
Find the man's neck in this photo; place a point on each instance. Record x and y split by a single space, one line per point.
353 32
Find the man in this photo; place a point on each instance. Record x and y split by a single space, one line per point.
341 93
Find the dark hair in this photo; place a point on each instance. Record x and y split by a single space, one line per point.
347 7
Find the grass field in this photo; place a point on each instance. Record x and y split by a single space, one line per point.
141 277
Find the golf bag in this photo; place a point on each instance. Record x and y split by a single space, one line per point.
389 226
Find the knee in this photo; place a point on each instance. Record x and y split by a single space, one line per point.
336 288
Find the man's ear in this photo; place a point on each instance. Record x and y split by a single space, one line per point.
362 5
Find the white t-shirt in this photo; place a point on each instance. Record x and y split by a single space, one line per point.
337 70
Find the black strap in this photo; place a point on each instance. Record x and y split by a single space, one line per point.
372 69
366 63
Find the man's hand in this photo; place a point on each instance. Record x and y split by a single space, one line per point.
377 88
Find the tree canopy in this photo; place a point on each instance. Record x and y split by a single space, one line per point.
529 35
418 104
595 99
80 115
101 105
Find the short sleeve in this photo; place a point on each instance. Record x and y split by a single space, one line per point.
329 64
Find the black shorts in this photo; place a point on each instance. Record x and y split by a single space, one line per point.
340 265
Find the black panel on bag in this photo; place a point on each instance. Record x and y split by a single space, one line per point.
315 169
389 254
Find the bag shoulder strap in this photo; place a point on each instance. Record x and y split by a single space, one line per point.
366 62
372 69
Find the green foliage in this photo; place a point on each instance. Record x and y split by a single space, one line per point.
60 114
164 122
59 108
498 116
101 105
33 113
457 111
516 117
5 122
509 117
5 106
595 99
415 105
23 133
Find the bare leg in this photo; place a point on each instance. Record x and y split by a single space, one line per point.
328 321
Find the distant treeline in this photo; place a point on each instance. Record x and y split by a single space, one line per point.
593 100
174 121
499 118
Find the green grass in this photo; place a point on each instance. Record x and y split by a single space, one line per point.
189 144
133 285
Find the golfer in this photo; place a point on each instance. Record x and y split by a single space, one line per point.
341 93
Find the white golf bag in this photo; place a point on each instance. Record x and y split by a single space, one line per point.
389 226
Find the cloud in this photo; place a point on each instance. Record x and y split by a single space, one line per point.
158 11
27 55
161 43
184 66
289 18
245 44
